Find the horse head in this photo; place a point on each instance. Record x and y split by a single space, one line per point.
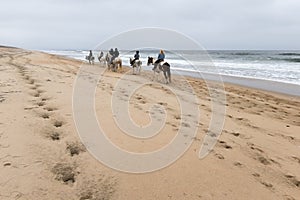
150 61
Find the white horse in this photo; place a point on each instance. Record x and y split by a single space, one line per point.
91 59
165 68
115 65
101 58
136 66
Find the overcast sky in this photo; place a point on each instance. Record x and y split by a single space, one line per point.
215 24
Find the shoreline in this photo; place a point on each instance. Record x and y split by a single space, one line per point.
254 83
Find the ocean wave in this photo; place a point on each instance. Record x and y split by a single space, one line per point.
289 54
292 60
244 54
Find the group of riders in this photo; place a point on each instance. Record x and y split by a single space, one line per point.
115 63
115 53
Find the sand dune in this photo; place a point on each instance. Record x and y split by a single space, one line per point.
41 156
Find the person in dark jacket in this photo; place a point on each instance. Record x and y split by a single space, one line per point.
115 54
136 57
90 54
100 55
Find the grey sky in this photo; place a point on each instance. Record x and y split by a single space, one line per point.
215 24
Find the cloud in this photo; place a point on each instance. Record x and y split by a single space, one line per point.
227 24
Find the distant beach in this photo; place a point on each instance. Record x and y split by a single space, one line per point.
276 71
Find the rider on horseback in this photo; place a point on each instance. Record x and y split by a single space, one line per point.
114 54
90 55
160 58
100 55
136 57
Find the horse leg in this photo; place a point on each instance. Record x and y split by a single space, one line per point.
154 75
165 75
169 75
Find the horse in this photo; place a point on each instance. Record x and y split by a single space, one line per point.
165 68
136 66
102 60
91 59
115 64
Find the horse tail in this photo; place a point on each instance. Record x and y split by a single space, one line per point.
168 69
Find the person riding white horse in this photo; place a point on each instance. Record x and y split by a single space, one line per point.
160 58
136 63
90 57
160 67
135 57
101 58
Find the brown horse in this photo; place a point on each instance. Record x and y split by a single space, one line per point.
115 65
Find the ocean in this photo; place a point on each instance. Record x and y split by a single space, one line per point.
275 66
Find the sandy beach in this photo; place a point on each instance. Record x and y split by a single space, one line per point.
41 155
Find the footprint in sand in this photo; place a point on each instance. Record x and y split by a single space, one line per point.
45 98
65 172
45 115
293 179
33 87
254 147
26 77
52 134
236 134
296 159
238 164
75 148
31 81
41 103
224 144
219 156
2 98
7 164
50 108
268 185
263 160
36 94
40 91
58 123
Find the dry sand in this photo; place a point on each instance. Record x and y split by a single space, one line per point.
41 157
